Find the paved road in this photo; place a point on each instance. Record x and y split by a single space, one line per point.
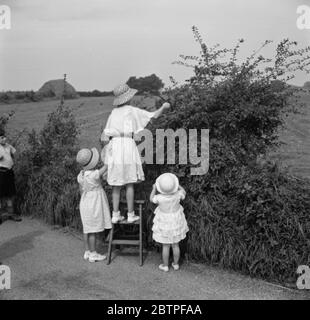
46 263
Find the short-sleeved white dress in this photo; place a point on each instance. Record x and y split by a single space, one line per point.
122 156
94 205
169 223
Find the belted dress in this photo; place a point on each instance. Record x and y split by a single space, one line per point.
94 205
121 154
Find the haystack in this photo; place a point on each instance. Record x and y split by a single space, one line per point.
55 88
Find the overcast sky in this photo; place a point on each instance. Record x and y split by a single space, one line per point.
100 43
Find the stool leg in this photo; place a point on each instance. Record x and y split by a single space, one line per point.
110 244
140 236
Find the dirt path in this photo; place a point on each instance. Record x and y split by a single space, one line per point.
47 263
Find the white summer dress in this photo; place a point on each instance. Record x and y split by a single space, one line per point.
169 223
94 205
122 156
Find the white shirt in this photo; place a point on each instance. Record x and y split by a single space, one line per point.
126 119
6 160
169 203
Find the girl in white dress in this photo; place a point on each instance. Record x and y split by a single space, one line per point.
122 155
169 224
94 205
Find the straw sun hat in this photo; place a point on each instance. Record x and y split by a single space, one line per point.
88 158
123 93
167 183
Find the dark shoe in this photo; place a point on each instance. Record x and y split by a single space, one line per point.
15 218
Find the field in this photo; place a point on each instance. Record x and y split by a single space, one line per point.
295 136
92 114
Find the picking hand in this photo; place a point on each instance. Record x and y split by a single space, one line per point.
166 105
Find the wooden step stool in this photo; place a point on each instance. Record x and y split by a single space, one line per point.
137 241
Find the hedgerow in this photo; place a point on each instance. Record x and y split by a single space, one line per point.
46 171
246 213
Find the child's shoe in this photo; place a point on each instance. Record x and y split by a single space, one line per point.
163 268
132 217
175 266
116 217
94 257
86 255
12 215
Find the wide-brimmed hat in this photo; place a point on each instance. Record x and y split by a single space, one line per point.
123 93
167 183
88 158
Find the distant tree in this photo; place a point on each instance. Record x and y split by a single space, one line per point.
4 97
277 85
96 93
150 84
307 85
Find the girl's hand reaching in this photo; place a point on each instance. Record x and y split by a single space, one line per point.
105 175
153 192
182 191
166 105
103 171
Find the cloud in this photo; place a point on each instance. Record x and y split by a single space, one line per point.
66 10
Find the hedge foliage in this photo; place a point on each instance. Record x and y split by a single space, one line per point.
245 214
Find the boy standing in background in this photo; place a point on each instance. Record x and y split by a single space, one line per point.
7 180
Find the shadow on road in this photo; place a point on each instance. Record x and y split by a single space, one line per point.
18 244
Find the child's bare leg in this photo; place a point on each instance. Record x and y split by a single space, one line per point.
176 253
11 211
165 254
92 242
130 195
9 203
94 255
85 236
116 192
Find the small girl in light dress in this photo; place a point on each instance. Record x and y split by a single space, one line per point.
122 155
94 205
169 224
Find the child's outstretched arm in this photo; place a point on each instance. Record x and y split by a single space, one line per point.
183 191
153 193
161 110
103 171
12 151
80 189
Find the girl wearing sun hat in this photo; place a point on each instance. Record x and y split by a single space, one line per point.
123 158
169 223
94 206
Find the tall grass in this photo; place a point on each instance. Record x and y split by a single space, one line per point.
46 171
